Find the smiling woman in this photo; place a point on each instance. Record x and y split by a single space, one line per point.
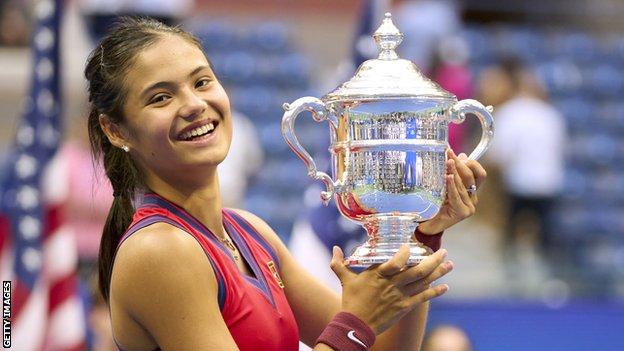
128 80
173 91
179 271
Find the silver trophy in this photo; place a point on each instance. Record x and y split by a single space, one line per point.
389 133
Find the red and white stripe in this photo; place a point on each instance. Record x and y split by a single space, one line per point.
51 317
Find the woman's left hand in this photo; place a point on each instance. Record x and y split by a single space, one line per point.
462 174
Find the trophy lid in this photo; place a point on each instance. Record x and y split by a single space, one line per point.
388 75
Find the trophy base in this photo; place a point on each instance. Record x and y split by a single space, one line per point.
369 254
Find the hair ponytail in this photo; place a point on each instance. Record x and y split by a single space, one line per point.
124 178
119 218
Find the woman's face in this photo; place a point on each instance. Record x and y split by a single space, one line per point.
177 114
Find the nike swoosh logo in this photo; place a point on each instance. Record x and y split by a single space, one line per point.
352 337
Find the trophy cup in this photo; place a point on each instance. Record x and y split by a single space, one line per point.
388 133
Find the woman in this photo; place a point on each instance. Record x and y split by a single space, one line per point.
190 275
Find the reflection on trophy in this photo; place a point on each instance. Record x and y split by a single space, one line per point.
389 133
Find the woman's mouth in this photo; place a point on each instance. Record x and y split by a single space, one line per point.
198 132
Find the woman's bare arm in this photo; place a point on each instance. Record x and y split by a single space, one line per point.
314 305
165 282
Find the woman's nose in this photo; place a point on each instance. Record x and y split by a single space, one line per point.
192 105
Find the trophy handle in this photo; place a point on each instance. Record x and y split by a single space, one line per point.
458 115
319 113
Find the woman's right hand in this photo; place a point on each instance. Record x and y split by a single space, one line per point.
384 293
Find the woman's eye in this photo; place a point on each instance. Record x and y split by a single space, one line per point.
159 98
202 83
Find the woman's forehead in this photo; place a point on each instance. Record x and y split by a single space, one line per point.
170 58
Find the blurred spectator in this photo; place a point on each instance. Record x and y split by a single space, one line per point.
424 23
450 71
14 26
528 149
430 40
242 162
447 338
450 68
494 86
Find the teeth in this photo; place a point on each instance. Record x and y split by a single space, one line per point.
198 131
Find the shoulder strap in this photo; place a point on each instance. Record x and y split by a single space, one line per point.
144 222
247 227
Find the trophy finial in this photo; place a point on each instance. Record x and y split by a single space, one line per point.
388 37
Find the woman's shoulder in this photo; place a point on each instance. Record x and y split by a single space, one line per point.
155 255
162 280
159 239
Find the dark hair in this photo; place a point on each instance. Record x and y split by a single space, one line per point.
106 68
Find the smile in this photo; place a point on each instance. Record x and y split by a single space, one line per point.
197 132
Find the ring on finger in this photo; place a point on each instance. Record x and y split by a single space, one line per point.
472 189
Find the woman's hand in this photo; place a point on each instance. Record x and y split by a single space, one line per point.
462 174
384 293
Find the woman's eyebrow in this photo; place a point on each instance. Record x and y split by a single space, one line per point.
198 69
166 85
170 85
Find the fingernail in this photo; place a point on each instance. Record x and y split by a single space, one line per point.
463 155
335 249
452 152
444 287
444 252
449 264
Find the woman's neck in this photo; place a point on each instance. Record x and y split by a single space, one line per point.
201 200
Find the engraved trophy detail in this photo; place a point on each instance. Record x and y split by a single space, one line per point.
388 133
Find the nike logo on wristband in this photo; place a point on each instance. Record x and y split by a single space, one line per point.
352 337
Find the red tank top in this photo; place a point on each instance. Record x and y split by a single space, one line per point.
254 309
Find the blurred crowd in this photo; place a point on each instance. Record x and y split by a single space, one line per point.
15 23
550 205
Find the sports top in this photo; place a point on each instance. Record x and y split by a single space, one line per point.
254 307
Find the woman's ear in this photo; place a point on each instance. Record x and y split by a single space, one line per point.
115 133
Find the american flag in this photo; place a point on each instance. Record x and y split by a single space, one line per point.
36 254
